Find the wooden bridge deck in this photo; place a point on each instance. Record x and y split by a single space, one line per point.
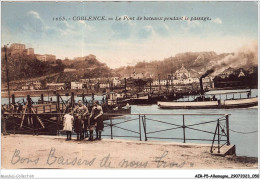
47 108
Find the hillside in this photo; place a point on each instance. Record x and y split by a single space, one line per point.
86 67
22 67
196 61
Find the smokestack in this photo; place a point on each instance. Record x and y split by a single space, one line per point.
125 84
208 72
201 86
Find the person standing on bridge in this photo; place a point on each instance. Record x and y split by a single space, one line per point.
96 121
81 112
68 120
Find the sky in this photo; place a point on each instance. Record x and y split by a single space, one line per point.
126 42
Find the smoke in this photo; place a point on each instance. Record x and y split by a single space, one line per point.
244 57
208 72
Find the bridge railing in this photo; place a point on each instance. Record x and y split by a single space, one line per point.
203 128
175 127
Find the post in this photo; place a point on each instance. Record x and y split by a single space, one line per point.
227 128
111 130
58 111
72 100
62 105
240 95
14 125
211 149
13 99
83 97
218 138
93 98
42 99
145 127
48 96
183 126
3 122
29 107
7 76
140 129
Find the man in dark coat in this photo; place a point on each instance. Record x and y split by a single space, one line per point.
80 111
96 121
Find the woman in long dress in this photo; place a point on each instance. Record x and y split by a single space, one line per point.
96 121
81 111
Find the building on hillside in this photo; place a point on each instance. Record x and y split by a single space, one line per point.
37 84
46 58
182 73
31 85
76 85
17 46
55 86
227 72
104 83
29 51
241 73
41 58
116 81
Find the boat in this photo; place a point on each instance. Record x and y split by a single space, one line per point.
117 99
205 102
188 105
140 98
116 105
241 103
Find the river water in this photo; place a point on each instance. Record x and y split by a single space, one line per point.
241 121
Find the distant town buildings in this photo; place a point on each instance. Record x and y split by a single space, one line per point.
231 71
76 85
241 74
182 77
55 86
17 48
182 73
30 51
46 58
32 85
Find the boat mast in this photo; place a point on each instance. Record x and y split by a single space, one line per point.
7 75
159 78
171 75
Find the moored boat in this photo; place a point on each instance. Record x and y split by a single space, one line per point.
188 105
204 102
241 103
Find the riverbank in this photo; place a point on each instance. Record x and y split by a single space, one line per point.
26 151
37 93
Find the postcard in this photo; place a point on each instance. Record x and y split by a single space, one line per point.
140 85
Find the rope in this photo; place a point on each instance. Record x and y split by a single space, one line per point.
243 132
